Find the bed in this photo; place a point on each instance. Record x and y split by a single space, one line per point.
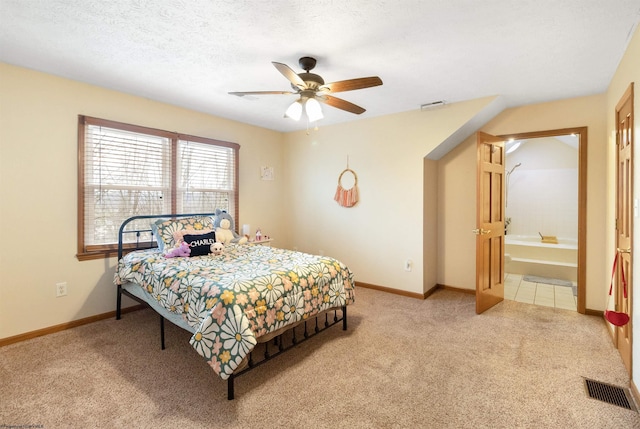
247 296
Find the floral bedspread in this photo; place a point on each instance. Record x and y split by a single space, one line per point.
234 298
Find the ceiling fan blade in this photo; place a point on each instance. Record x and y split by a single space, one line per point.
351 84
242 94
340 104
290 74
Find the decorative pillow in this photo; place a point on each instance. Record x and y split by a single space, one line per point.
164 229
178 236
200 244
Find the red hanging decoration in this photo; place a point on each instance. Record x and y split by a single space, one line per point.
617 318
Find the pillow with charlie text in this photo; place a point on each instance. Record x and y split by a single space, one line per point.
200 244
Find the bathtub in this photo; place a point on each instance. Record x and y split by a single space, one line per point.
527 255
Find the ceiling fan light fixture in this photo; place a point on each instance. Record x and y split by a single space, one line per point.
512 146
313 109
294 111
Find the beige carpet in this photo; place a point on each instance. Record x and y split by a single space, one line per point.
403 363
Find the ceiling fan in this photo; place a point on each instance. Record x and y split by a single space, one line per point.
312 89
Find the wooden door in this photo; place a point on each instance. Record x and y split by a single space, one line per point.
624 220
489 222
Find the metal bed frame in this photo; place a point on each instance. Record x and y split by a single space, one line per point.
281 341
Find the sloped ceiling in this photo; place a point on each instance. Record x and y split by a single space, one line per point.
191 53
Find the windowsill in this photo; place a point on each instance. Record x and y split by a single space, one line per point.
88 256
111 252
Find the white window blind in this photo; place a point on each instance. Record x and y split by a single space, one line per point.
126 174
126 170
206 177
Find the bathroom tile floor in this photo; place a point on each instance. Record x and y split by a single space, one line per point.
548 295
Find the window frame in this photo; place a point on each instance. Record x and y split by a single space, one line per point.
90 252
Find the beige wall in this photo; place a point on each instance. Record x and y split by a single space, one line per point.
430 224
456 176
387 226
38 189
628 71
456 205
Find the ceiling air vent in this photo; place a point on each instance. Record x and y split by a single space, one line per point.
432 105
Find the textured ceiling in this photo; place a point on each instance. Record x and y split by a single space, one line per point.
191 53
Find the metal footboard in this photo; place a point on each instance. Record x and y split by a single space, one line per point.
286 341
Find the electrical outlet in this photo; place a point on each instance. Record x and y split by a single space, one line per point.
408 264
61 289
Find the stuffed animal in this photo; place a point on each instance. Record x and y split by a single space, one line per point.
224 234
182 250
225 227
217 248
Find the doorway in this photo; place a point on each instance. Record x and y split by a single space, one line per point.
575 271
541 221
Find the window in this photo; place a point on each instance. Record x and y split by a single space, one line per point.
126 170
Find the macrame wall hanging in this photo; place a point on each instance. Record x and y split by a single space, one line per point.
347 197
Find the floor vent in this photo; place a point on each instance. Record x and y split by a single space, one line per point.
610 394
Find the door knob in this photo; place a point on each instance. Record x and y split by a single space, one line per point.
481 231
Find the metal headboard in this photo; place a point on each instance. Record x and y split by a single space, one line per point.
137 232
